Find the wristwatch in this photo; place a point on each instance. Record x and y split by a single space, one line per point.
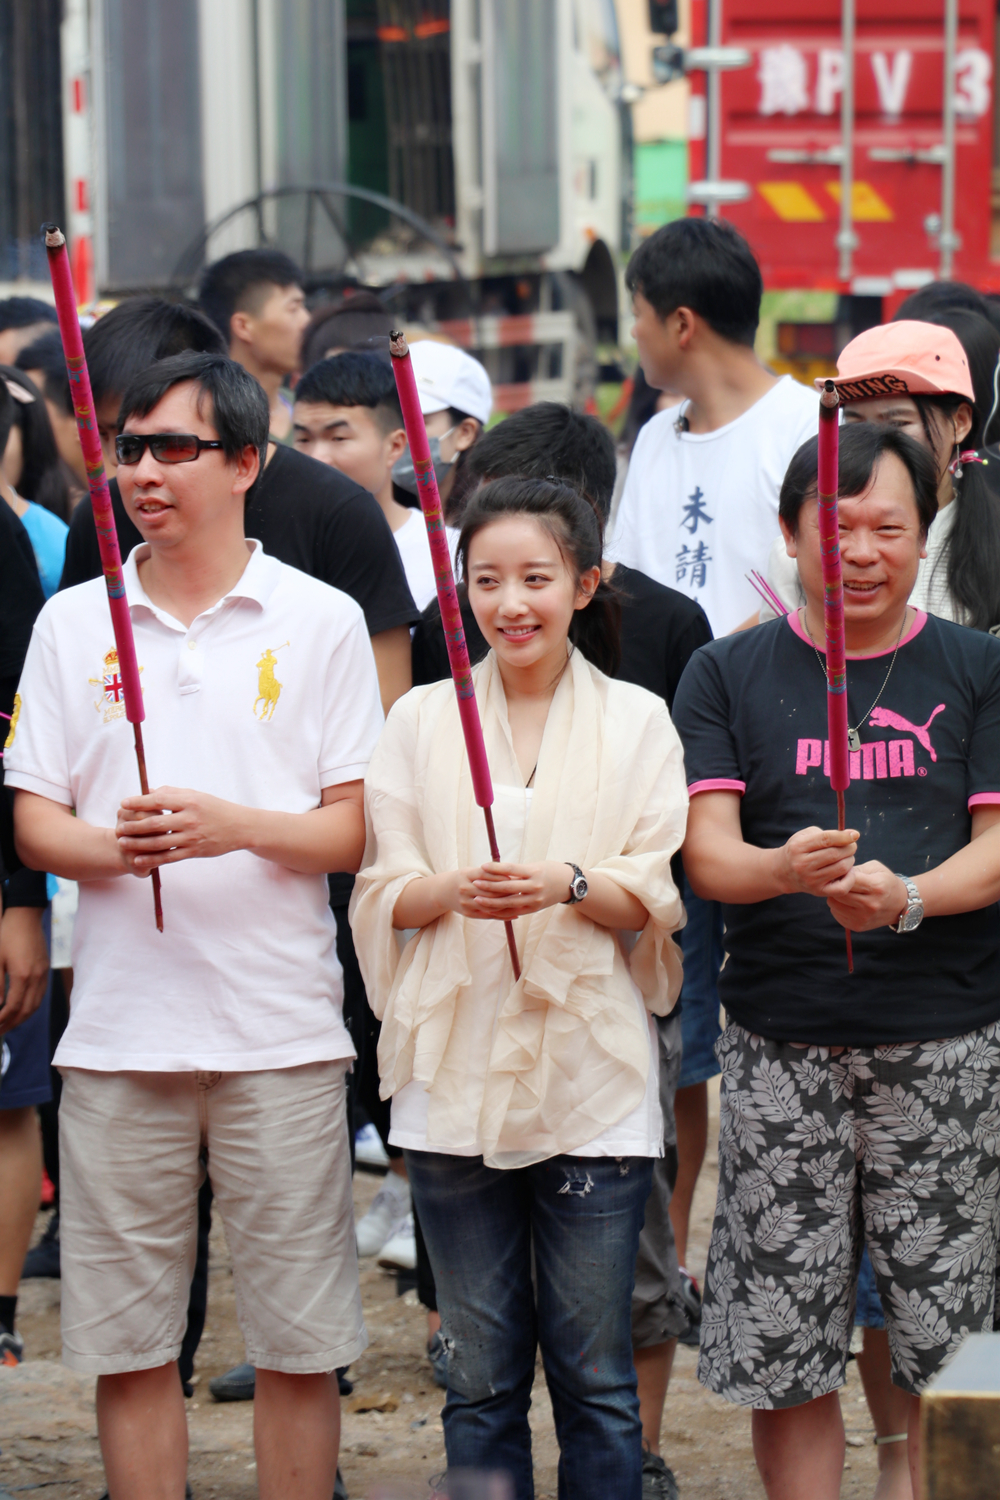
914 913
577 886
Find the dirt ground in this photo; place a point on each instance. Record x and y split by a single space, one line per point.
48 1437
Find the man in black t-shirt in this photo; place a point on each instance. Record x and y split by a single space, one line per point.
845 1118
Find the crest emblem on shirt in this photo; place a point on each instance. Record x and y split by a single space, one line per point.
112 699
14 716
268 686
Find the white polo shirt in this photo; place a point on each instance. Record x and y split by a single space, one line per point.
270 696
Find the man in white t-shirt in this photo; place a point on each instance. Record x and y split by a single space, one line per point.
700 504
222 1035
347 415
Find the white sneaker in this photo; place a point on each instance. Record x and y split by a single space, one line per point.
369 1150
390 1207
400 1252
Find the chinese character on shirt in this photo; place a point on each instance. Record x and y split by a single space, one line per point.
695 511
695 559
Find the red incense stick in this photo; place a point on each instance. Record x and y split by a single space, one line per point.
451 614
833 605
100 499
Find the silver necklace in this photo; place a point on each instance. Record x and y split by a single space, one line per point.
853 735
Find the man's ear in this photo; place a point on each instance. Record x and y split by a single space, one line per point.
686 325
240 328
395 445
791 540
247 469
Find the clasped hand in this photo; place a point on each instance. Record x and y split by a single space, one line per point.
168 825
820 862
506 891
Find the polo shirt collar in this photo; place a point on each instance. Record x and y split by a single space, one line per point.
256 583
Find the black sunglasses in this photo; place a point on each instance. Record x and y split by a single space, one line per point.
166 447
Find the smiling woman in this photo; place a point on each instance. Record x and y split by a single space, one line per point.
535 1102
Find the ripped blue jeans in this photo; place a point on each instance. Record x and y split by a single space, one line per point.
575 1221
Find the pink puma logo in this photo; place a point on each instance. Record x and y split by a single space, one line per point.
884 718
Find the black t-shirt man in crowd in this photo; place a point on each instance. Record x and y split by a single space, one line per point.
858 1109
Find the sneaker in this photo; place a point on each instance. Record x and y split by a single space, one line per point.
43 1260
438 1356
658 1482
400 1252
369 1151
238 1384
389 1208
11 1349
691 1303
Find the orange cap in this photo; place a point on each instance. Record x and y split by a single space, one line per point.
907 358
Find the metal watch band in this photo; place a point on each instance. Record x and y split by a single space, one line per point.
579 880
913 904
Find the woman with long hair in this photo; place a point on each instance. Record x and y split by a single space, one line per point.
528 1111
31 476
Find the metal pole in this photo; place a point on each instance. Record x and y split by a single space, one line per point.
949 240
846 239
713 103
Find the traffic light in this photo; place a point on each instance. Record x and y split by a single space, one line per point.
663 18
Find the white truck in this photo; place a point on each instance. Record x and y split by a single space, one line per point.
470 160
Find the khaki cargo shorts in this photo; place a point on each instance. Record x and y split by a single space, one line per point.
131 1148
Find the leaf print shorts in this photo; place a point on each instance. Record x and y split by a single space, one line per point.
821 1151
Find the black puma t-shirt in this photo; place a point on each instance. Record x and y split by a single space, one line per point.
751 710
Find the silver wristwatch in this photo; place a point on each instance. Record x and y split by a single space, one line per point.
577 886
914 913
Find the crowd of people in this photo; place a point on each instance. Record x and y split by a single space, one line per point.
335 965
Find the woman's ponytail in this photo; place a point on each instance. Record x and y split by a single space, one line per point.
974 545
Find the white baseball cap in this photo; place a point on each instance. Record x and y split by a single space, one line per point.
447 376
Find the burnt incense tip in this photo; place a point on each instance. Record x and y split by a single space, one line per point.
829 396
54 237
397 344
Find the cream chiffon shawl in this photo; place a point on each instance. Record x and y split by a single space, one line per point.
570 1053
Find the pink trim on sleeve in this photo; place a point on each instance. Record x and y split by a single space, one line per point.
984 799
720 784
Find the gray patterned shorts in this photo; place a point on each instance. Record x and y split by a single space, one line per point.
822 1149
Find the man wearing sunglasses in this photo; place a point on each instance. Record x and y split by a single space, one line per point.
224 1034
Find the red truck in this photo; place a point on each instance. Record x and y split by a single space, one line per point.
768 129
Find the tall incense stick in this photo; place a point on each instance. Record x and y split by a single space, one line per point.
451 614
833 606
100 499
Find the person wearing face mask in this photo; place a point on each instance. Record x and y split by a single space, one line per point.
919 378
456 399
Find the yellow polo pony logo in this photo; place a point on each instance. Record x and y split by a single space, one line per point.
268 686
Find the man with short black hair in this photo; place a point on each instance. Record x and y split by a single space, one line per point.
698 512
226 1035
700 503
22 320
255 299
347 414
856 1109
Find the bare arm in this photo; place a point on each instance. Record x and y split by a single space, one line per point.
392 663
171 824
720 866
24 964
504 892
968 881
